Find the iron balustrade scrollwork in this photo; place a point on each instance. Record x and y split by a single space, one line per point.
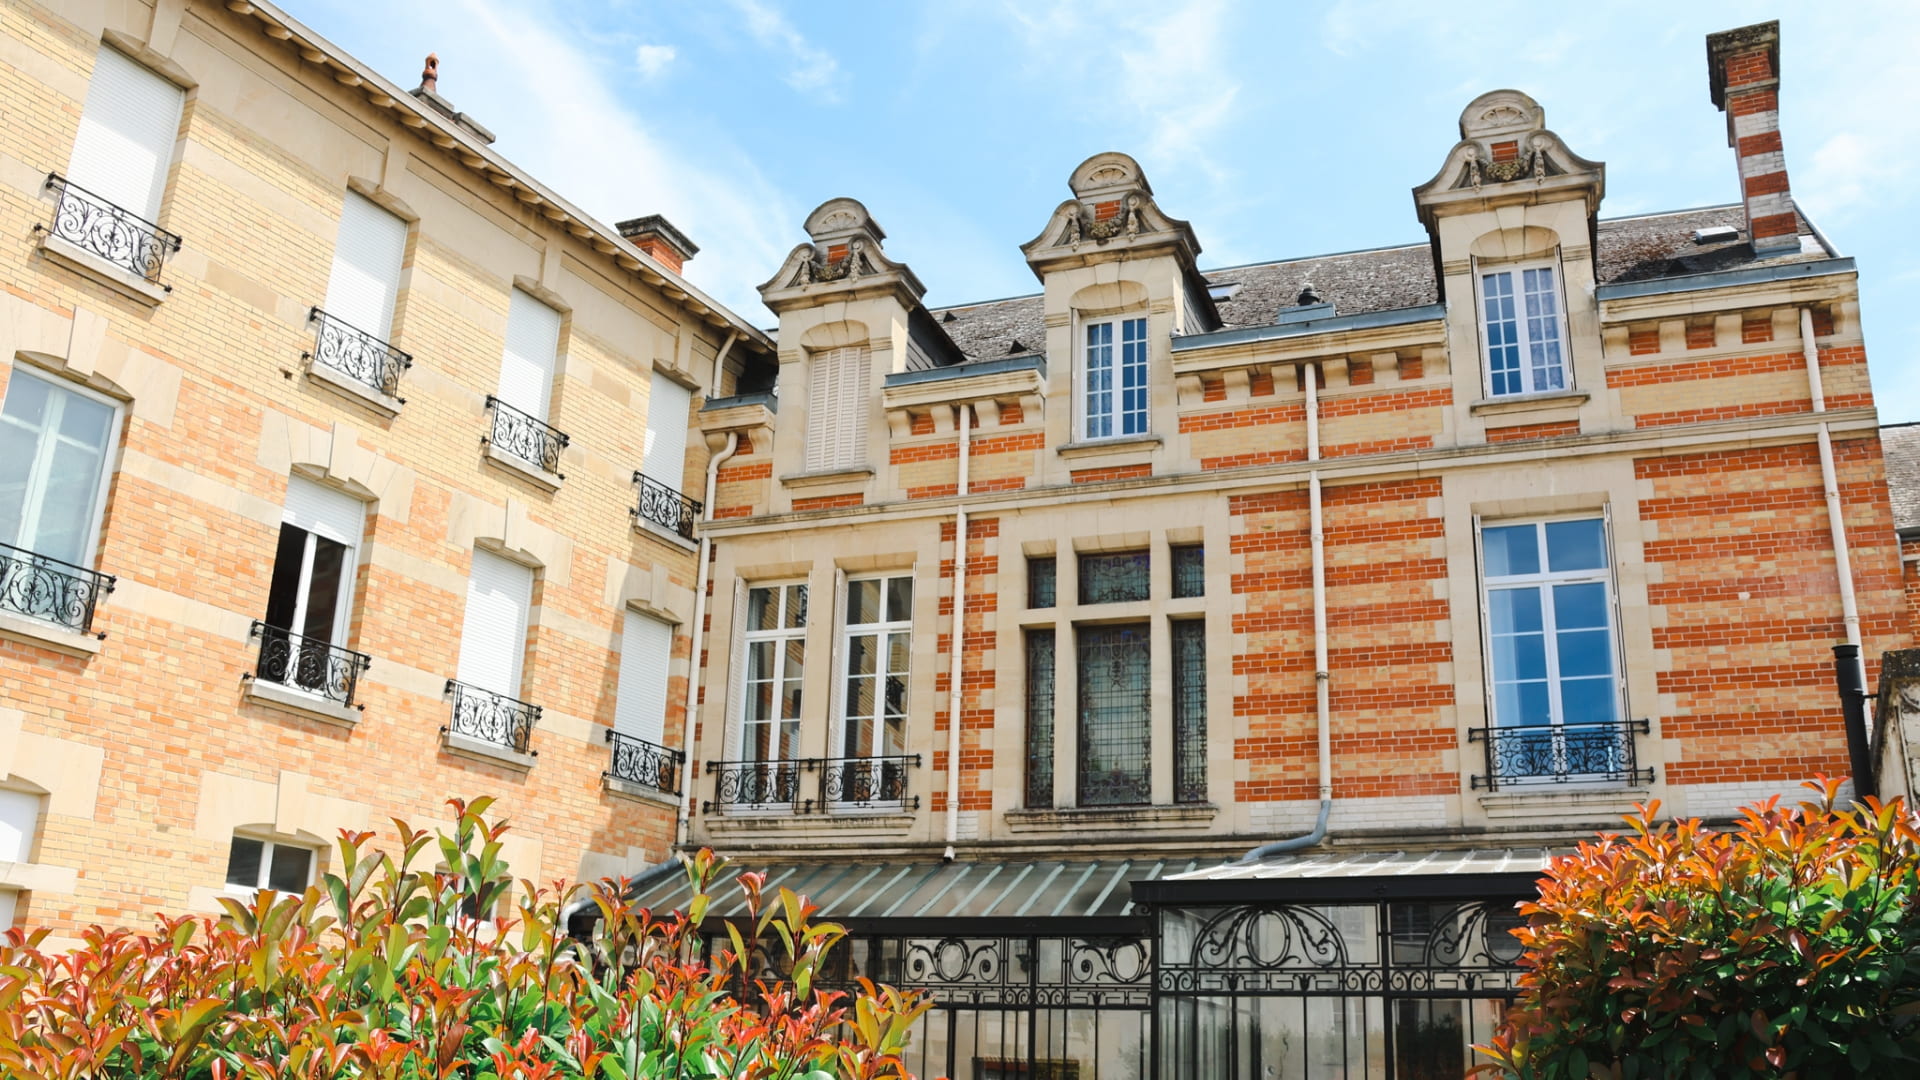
304 663
760 786
50 590
358 355
867 782
491 718
1561 754
666 507
637 761
526 437
113 233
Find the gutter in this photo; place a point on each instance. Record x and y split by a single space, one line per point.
1371 320
1720 279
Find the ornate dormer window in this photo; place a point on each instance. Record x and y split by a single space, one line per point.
1113 379
1523 331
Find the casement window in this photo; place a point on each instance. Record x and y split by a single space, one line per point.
1043 574
1113 379
493 637
1040 687
878 646
1114 578
1551 636
56 443
1189 570
1115 715
669 405
310 597
19 824
127 131
837 394
526 367
1524 332
254 864
775 643
365 281
646 648
1189 711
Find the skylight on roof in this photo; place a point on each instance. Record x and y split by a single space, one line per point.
1222 291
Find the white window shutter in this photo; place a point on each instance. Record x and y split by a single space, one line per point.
836 409
853 407
493 638
736 703
335 515
526 368
19 820
640 707
127 131
822 419
366 266
668 405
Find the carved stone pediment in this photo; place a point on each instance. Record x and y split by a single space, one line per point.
1112 207
1505 146
844 253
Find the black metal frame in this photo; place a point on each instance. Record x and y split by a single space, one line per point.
491 718
1041 643
1189 570
1561 754
759 784
1102 698
302 663
357 354
528 438
875 782
666 507
50 590
637 761
113 233
1115 577
1189 710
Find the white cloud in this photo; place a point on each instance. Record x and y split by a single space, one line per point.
811 69
652 60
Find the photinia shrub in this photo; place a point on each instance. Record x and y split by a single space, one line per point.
384 972
1782 947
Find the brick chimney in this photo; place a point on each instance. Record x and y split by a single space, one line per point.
1743 70
656 236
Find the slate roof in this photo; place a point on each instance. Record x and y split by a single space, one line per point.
1900 444
1382 279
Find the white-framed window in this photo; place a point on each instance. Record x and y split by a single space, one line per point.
646 648
1551 633
310 597
837 397
775 643
533 344
1525 334
254 864
124 148
877 644
56 443
493 636
365 281
1113 379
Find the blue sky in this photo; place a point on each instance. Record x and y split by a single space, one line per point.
1278 129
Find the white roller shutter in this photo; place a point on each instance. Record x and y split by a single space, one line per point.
666 453
318 509
366 266
127 131
646 647
493 639
19 819
836 409
526 369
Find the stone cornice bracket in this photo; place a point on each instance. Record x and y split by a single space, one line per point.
1506 155
845 261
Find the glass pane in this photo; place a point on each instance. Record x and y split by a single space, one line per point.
66 504
16 465
1520 656
1190 711
27 399
899 599
863 602
1576 545
1039 719
1114 715
243 862
1588 701
1113 579
860 650
760 660
324 589
1189 571
1523 704
1511 549
1133 377
763 609
1514 610
1041 578
1584 652
289 871
1580 607
796 607
1098 392
284 591
1503 334
86 422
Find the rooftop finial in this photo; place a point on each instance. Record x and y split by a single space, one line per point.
430 75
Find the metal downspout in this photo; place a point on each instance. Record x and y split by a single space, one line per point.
683 828
963 415
1858 746
1322 706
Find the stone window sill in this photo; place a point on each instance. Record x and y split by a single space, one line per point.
1127 818
1526 403
47 635
89 265
477 750
525 469
857 475
1592 802
311 706
1099 447
627 789
353 390
654 529
787 825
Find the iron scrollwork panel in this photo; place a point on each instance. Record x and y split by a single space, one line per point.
308 664
761 785
50 590
637 761
666 507
868 781
490 717
526 437
1560 754
358 355
117 235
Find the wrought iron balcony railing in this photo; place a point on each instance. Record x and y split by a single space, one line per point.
868 783
98 227
490 717
666 507
307 664
1561 754
771 787
638 761
47 589
357 354
528 438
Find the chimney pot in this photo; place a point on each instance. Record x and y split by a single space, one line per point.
430 74
656 236
1743 78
